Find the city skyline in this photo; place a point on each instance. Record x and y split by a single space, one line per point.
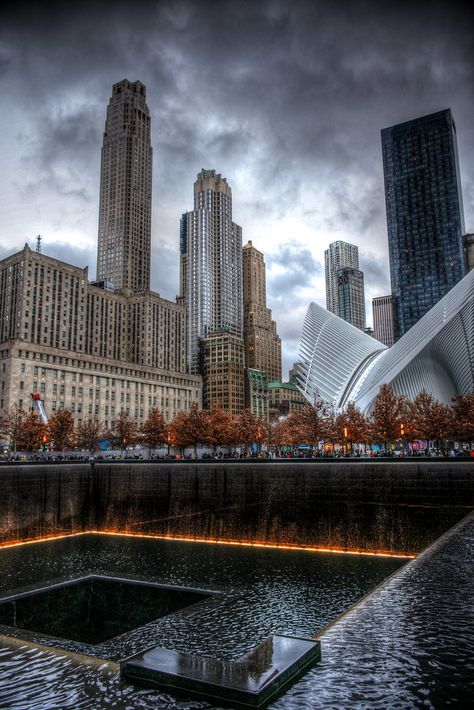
293 115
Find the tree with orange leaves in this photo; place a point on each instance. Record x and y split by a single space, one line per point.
125 431
217 428
249 429
88 434
313 423
428 418
188 429
389 417
352 426
34 433
11 425
462 424
154 430
278 433
61 430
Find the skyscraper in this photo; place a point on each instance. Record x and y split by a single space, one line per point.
211 264
351 297
339 255
382 314
424 214
262 343
468 247
123 255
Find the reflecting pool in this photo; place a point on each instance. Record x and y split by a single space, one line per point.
258 592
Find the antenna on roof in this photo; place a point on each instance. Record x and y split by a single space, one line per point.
38 243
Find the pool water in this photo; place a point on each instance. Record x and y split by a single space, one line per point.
259 592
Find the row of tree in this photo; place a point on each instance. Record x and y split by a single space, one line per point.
393 419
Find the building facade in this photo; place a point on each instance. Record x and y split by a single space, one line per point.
341 364
124 244
262 343
210 264
111 345
223 371
256 393
425 219
382 314
88 349
468 248
351 296
337 256
283 398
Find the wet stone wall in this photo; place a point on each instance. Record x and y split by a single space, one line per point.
395 507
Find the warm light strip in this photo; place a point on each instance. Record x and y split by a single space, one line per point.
41 539
275 546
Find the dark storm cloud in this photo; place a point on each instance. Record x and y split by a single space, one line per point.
70 253
299 266
286 99
375 274
63 152
305 76
164 276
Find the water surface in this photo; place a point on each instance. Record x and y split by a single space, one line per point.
263 591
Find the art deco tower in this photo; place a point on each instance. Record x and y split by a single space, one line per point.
262 343
425 219
123 255
211 264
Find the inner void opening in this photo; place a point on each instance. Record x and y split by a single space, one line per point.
94 609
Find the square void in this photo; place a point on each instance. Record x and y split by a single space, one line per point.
94 609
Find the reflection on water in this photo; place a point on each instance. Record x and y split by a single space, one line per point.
266 591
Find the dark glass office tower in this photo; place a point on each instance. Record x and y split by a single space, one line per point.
424 214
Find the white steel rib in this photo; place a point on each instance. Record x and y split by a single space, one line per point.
340 363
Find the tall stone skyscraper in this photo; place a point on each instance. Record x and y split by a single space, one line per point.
211 264
339 255
123 255
382 314
345 283
351 296
425 219
262 344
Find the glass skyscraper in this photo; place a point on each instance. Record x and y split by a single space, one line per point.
425 219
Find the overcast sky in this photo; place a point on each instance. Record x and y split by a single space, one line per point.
286 99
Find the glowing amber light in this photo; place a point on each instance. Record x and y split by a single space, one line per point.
238 543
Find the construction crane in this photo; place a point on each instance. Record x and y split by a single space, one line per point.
38 404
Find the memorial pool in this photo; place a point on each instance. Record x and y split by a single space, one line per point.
259 591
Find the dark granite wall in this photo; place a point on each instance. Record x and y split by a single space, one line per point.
398 507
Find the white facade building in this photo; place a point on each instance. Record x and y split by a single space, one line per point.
340 364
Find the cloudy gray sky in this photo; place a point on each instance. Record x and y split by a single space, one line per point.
284 98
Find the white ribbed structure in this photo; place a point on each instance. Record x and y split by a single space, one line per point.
332 354
341 364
